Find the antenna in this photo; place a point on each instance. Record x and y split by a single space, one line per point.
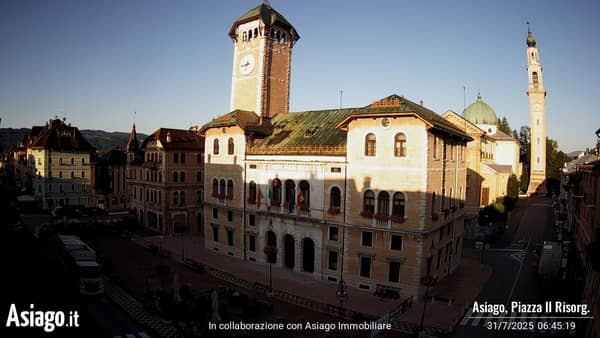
341 95
464 98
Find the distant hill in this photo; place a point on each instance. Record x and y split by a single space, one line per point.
575 153
103 140
100 139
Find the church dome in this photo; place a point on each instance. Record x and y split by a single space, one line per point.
480 112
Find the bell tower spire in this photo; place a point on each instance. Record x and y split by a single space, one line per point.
263 41
537 113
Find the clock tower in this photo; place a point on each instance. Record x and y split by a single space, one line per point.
263 41
537 111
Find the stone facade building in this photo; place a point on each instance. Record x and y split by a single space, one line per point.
371 195
491 158
58 165
165 180
109 181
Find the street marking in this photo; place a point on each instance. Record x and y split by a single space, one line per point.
466 317
476 320
519 256
517 277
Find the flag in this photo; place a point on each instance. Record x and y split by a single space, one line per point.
269 199
299 200
259 198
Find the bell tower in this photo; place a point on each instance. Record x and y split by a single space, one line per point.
263 40
537 112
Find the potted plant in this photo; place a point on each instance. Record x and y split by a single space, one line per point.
366 214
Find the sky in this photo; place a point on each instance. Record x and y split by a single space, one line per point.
97 62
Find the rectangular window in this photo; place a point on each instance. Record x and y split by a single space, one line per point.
199 158
252 242
229 237
367 238
332 262
215 229
396 242
252 219
229 216
333 233
336 170
394 272
215 213
365 267
182 157
175 157
435 147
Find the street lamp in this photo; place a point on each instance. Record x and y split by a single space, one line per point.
341 294
271 252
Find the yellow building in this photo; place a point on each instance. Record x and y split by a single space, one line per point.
492 157
58 165
370 195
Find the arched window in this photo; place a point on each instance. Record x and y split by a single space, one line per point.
335 200
369 202
534 76
370 144
182 176
175 176
304 196
198 176
216 147
252 192
222 188
182 197
230 189
83 174
398 205
383 203
290 194
276 189
230 147
400 145
176 198
215 187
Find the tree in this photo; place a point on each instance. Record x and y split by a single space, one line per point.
555 159
504 126
524 141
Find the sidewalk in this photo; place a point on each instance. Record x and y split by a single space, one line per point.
286 282
450 298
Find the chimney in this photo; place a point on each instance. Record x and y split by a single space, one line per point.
421 102
168 137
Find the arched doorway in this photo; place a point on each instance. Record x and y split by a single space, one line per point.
308 255
272 241
288 251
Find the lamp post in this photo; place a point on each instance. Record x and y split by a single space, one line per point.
271 252
341 294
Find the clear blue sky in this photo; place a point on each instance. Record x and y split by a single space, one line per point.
96 62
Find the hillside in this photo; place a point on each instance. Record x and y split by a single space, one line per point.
100 139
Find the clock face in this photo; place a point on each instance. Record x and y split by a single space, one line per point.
246 64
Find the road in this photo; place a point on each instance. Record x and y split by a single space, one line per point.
514 279
31 275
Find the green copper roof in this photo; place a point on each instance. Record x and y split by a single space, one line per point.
480 112
268 16
323 131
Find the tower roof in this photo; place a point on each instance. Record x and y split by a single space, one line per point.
480 112
530 38
268 16
132 144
